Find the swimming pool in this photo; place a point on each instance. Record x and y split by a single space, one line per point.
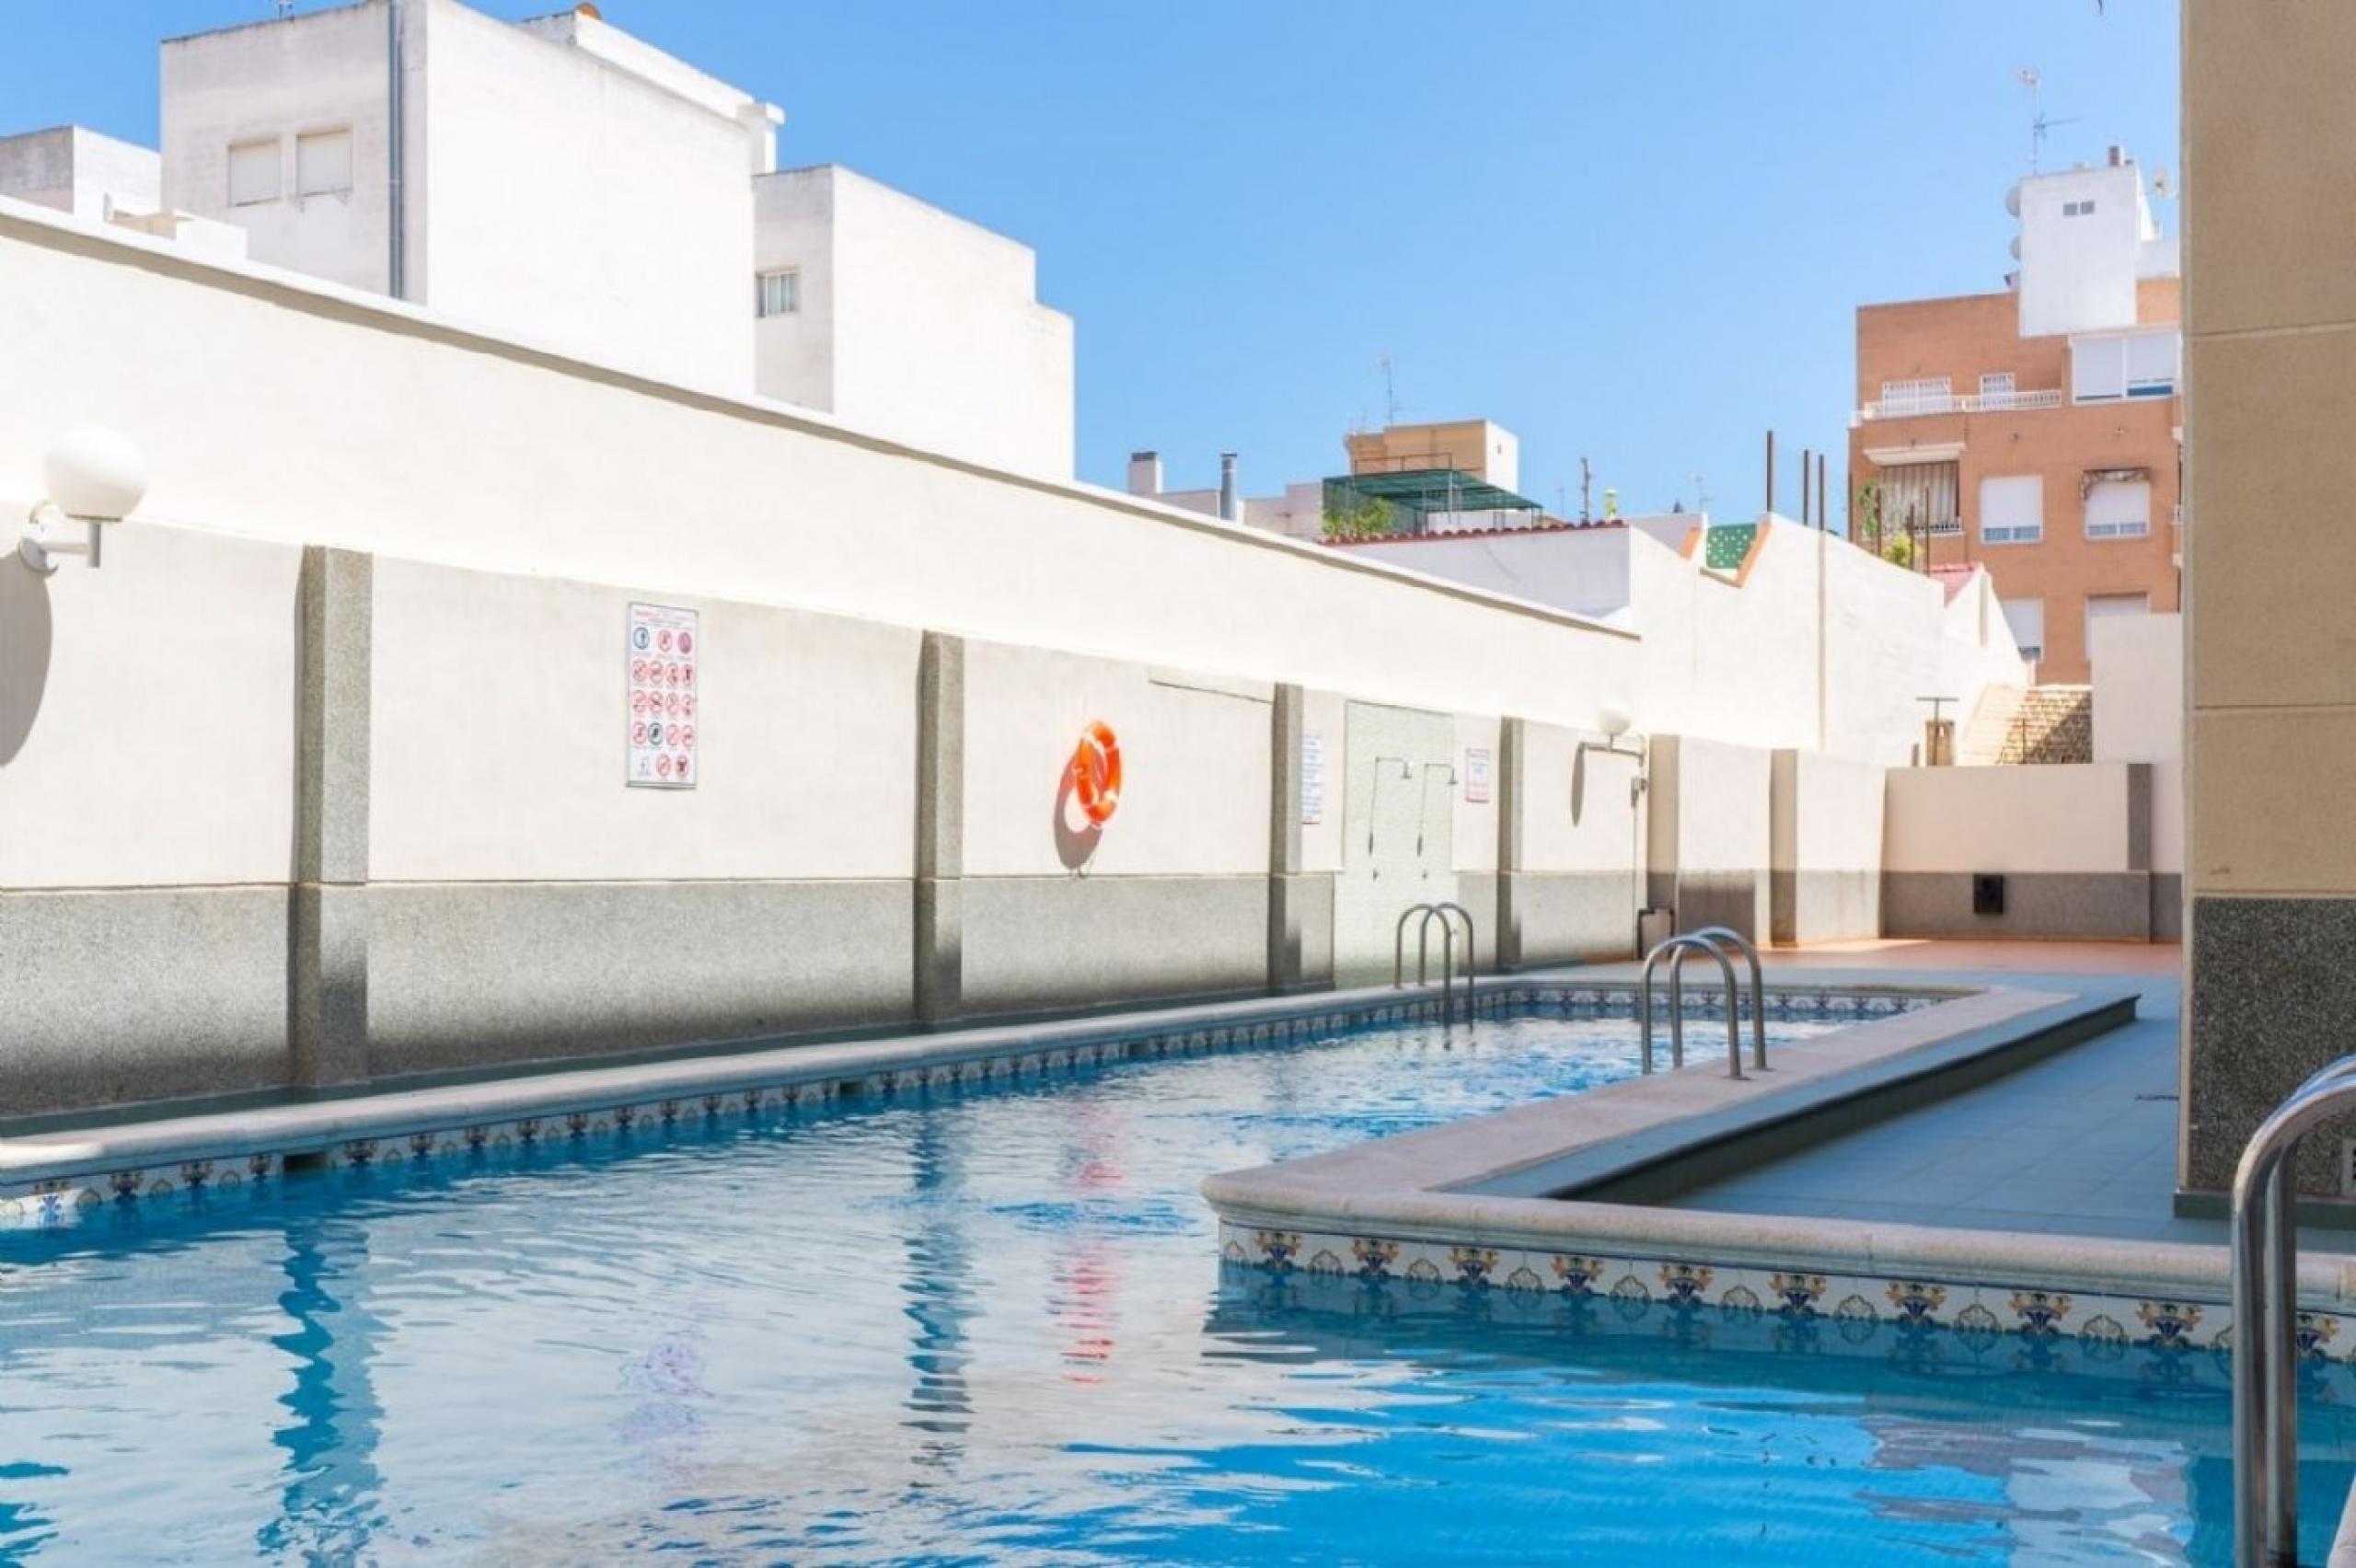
991 1324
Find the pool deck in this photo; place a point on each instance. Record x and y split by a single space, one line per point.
2038 1196
2082 1144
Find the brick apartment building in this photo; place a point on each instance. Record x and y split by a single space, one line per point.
2037 430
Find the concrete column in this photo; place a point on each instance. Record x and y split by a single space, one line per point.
327 981
1288 890
2269 374
941 829
1513 794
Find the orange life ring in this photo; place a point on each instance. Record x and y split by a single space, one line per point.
1096 772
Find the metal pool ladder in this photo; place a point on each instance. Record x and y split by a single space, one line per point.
2265 1328
1710 939
1431 912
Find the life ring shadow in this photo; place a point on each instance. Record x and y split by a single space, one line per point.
1075 842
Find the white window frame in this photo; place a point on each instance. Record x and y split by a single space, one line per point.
253 150
308 184
2031 651
776 291
2119 527
2117 367
2017 528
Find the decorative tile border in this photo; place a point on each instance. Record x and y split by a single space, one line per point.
59 1201
1808 1304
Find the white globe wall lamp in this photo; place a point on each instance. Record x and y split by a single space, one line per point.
96 478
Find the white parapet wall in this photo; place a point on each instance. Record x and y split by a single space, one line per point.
2070 848
2139 717
1711 834
1826 848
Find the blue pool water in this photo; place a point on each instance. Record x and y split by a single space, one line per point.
991 1326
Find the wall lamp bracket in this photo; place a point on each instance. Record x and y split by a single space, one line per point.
96 478
47 536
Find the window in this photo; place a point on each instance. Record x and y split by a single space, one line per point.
253 173
2077 209
2118 509
2138 365
2151 363
2012 509
323 164
1996 389
1920 497
780 293
2026 617
2100 606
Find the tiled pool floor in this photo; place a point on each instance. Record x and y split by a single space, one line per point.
2080 1145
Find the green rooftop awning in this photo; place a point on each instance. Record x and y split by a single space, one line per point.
1428 491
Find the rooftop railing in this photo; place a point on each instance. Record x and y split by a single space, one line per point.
1923 403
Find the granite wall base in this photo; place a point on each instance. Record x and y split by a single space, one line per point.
2085 905
1566 917
1035 944
467 975
142 993
2269 999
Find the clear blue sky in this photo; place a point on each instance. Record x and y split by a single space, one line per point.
1635 230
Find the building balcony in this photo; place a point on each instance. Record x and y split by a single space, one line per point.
1925 403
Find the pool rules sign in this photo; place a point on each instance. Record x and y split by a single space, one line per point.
664 647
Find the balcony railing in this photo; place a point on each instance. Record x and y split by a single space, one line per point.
1961 403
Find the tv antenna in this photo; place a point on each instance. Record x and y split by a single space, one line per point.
1390 391
2038 124
1701 495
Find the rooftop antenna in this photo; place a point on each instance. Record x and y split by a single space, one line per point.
285 10
1700 495
1390 392
2037 123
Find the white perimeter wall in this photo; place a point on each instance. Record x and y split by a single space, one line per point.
351 422
1721 817
2138 715
147 714
1193 754
497 744
1830 819
1815 644
2061 818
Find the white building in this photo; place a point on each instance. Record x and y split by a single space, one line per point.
101 180
897 316
560 182
2087 237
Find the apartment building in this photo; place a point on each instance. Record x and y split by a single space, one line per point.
560 182
2037 430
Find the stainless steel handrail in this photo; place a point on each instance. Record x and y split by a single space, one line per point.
1679 946
1440 912
2265 1271
1758 988
1448 969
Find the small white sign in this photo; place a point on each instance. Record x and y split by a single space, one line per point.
662 647
1476 775
1312 778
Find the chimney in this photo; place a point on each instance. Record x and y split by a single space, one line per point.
1229 507
1145 473
2118 156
